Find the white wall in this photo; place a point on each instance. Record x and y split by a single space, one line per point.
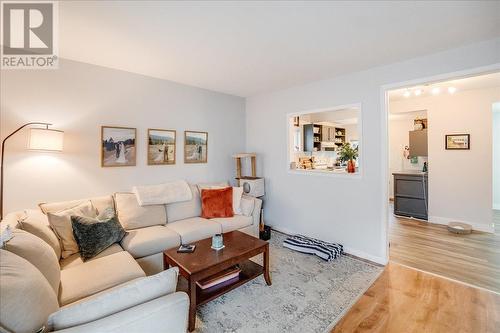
460 181
78 98
332 208
496 156
351 132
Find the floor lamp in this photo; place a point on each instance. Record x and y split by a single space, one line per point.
40 139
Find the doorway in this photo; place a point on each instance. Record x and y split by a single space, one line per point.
439 131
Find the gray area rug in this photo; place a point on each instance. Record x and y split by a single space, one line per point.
307 295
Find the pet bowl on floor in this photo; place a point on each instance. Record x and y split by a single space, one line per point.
459 228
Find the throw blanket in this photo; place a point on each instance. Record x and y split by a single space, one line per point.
161 194
324 250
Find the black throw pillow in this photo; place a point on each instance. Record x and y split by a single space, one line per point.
94 236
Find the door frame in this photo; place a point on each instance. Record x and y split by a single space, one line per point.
384 105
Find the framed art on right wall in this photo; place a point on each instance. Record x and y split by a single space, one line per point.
457 141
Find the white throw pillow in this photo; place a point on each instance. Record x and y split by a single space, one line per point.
37 223
247 206
61 224
237 194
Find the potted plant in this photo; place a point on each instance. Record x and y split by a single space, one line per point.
348 154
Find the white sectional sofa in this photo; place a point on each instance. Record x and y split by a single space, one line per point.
125 287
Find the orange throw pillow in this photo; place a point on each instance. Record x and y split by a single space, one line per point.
217 203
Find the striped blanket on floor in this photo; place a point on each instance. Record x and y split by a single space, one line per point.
324 250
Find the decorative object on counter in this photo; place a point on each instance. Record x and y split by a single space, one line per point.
459 228
306 162
118 146
457 141
419 124
414 160
406 152
324 250
217 242
195 147
349 155
43 139
424 169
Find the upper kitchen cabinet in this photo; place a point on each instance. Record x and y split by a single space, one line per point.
312 137
418 143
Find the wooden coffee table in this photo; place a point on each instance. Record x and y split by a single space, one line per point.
205 262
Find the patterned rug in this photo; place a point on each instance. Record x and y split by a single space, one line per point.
307 295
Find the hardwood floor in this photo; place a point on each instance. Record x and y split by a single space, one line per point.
473 259
406 300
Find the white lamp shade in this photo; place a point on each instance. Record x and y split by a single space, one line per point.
45 139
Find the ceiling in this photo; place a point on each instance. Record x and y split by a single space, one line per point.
440 88
247 48
343 116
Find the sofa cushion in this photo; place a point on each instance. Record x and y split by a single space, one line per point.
151 240
114 300
97 275
183 210
61 224
100 203
37 223
233 223
133 216
217 203
194 229
27 299
75 259
94 236
38 253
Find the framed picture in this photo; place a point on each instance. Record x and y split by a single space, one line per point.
118 146
161 146
457 141
195 147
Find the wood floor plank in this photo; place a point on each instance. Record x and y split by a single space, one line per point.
473 259
403 299
406 300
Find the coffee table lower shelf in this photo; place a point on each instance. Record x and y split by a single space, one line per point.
249 271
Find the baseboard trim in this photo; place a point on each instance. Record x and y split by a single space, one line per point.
349 250
475 226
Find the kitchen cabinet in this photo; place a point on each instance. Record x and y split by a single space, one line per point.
312 137
327 133
418 143
411 196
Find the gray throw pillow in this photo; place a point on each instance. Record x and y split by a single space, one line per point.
94 235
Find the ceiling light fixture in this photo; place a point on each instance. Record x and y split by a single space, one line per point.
406 93
418 92
452 90
436 90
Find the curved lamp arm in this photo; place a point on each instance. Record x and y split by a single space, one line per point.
1 159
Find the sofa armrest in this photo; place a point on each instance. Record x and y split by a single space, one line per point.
164 314
114 300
